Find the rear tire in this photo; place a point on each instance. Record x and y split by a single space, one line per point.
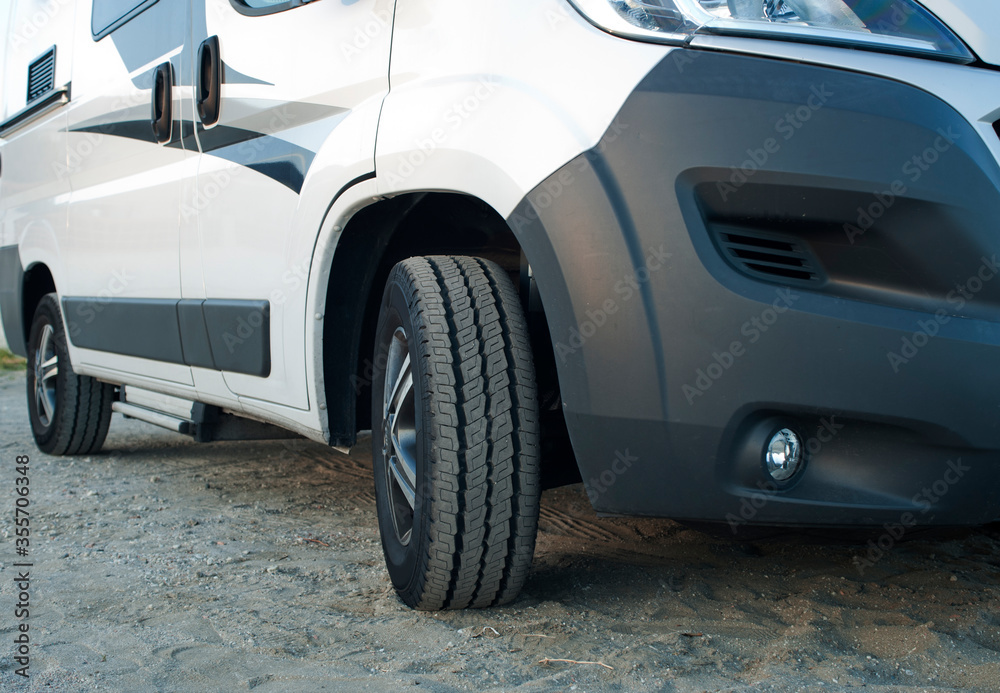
455 434
69 413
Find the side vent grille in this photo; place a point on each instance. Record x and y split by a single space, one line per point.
769 256
42 75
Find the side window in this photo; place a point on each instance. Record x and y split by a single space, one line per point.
110 14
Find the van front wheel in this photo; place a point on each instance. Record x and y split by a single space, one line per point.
454 434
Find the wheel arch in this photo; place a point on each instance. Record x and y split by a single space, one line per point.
35 283
372 242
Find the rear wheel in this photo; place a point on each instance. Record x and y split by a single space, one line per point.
455 434
69 413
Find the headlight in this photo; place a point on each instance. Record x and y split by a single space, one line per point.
897 26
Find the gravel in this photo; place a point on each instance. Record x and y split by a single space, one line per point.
165 565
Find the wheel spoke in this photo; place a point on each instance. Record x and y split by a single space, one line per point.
50 369
401 388
399 450
402 437
43 400
46 371
404 479
44 341
403 444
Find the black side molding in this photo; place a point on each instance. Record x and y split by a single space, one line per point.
146 328
194 334
239 333
221 334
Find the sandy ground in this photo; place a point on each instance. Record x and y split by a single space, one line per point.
166 565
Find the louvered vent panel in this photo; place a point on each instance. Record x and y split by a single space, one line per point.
42 75
769 256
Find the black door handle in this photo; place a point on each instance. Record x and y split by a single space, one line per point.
209 80
163 102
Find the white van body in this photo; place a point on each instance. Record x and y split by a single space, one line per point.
106 186
215 193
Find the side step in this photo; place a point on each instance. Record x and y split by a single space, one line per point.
156 418
205 423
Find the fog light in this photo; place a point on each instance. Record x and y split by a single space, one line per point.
783 455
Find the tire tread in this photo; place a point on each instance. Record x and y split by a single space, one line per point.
484 428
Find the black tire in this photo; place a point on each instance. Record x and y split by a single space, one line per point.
470 432
69 413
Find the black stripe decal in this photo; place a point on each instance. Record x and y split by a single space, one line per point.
221 334
277 159
220 137
130 129
273 157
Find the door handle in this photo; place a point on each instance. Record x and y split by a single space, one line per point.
163 102
209 81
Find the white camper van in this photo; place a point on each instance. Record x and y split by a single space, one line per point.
723 260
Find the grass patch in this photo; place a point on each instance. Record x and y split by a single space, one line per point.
11 362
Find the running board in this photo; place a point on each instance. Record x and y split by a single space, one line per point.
171 423
203 422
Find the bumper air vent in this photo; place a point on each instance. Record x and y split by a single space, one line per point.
42 75
768 256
